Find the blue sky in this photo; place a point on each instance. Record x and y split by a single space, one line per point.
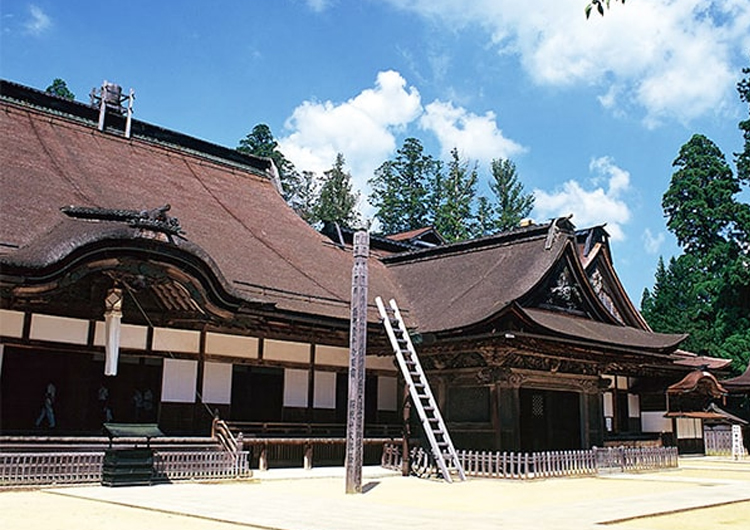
592 112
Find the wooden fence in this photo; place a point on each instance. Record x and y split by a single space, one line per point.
718 442
634 459
525 466
17 469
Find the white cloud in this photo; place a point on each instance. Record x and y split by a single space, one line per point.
476 137
39 21
362 128
365 129
652 243
590 206
674 59
318 5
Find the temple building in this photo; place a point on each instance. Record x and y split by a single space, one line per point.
146 275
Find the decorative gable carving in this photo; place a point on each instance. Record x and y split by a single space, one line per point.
562 293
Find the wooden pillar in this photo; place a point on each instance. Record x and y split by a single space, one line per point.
405 457
509 416
593 416
263 458
357 349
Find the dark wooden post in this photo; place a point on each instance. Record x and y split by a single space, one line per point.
355 420
405 456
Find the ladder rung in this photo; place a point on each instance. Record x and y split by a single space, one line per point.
432 423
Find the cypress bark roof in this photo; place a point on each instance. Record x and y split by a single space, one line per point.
231 211
257 248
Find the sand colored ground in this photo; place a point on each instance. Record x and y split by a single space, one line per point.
392 501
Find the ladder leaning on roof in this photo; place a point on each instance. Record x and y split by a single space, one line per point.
419 390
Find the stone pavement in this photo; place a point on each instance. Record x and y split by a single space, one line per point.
300 500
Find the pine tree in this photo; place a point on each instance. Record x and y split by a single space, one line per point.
298 189
60 89
706 290
453 217
699 203
337 202
513 205
399 189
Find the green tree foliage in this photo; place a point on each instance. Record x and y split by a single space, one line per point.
337 202
400 189
698 204
513 204
297 188
485 221
60 89
453 215
599 6
743 158
414 190
306 197
706 290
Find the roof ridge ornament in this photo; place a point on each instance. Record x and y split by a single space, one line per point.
554 229
155 219
109 98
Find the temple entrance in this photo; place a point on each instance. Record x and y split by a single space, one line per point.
66 393
257 393
550 420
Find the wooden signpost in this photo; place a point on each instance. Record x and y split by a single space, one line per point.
355 420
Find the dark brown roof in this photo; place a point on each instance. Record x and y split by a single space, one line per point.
740 383
695 379
464 283
582 328
684 358
427 235
233 213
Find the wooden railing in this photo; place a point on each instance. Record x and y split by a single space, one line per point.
203 465
525 466
293 452
718 443
18 469
83 467
310 430
221 432
634 459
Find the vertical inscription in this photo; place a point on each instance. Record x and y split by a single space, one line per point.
355 420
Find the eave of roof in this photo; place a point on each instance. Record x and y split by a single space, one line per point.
86 114
462 284
598 332
235 214
692 381
740 383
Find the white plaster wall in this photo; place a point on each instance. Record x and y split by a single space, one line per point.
295 388
131 336
231 345
179 380
324 393
217 383
387 393
176 340
279 350
59 329
11 323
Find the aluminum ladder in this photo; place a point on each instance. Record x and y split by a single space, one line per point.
419 390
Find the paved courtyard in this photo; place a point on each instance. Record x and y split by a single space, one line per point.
703 493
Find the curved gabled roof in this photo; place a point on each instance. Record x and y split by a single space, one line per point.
233 212
458 285
576 328
596 257
740 383
455 288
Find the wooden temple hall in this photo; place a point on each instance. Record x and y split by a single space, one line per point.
149 276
